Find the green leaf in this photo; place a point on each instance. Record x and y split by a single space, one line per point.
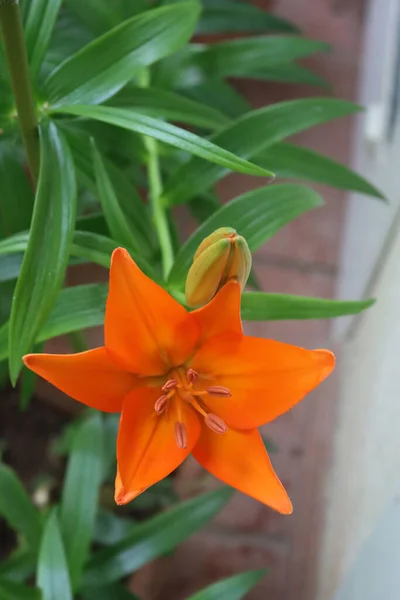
290 161
156 102
46 256
10 266
18 566
39 24
129 199
256 215
259 306
233 588
170 134
240 57
224 16
263 57
80 494
28 383
105 65
17 509
15 192
202 207
52 572
110 592
288 73
78 307
97 16
250 135
154 537
86 245
109 528
116 220
98 249
220 95
9 590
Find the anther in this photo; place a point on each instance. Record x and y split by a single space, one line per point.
215 423
180 435
219 390
161 404
191 375
169 385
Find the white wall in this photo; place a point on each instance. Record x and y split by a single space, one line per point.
360 545
366 461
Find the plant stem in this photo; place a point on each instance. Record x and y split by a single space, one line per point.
15 51
155 193
159 215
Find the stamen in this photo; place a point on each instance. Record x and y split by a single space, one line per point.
161 404
215 423
191 375
180 435
169 385
219 390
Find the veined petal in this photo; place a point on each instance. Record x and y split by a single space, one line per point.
222 313
90 377
147 450
145 328
266 378
239 459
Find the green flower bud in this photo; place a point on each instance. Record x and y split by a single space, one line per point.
221 257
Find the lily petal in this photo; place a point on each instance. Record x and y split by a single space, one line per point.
89 377
239 459
122 497
143 322
222 313
265 378
146 449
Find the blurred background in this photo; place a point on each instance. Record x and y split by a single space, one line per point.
338 452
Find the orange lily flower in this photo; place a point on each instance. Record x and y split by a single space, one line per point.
185 382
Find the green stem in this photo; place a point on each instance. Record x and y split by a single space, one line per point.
15 51
155 195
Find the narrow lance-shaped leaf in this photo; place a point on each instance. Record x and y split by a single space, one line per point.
104 66
224 16
128 197
116 591
165 132
294 162
256 215
115 218
86 245
242 56
46 256
18 566
80 494
17 509
233 588
153 538
9 590
40 20
77 307
250 135
16 195
168 105
52 570
260 306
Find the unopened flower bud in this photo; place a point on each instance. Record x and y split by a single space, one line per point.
221 257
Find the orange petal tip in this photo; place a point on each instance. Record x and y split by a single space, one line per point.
326 360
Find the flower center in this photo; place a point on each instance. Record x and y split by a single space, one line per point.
185 386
